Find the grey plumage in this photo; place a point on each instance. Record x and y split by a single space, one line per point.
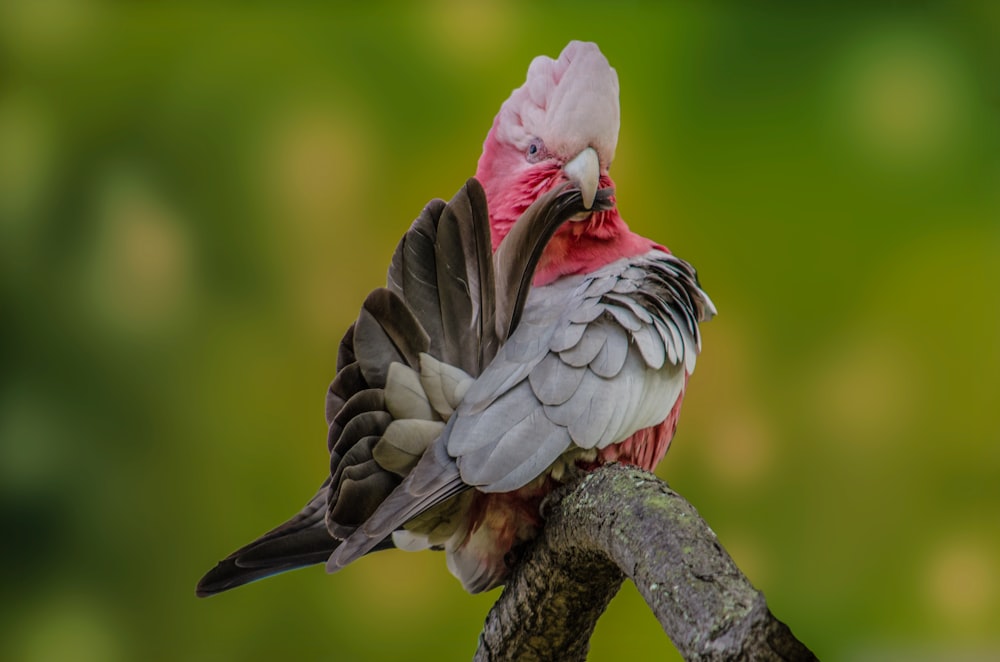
447 307
611 357
553 380
457 242
554 386
591 342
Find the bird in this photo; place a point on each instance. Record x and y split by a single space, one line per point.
525 335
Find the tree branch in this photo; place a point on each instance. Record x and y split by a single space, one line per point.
617 522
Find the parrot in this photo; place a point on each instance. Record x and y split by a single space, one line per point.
524 336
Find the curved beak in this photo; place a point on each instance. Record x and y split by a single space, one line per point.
584 170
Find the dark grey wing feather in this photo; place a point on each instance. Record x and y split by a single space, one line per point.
439 281
363 401
413 270
345 386
434 479
518 254
465 276
387 331
362 487
345 351
301 541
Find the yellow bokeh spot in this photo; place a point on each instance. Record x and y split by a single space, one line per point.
411 578
750 556
314 165
69 627
314 157
723 405
467 32
866 392
140 266
742 445
960 583
901 98
27 154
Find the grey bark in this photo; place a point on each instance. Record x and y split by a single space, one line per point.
619 522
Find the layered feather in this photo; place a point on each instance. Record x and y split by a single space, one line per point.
594 360
403 368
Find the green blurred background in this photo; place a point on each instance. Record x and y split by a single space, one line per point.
195 198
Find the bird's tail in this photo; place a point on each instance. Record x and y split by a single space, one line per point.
299 542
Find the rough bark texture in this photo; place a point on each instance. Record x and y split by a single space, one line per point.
620 522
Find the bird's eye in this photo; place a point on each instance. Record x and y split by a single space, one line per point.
535 151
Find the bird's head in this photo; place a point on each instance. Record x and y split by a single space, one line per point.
562 124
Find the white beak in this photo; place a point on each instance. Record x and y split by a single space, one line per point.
585 171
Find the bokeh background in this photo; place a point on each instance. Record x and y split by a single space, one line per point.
195 199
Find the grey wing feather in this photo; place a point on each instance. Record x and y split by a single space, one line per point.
567 336
590 344
504 466
631 303
589 409
603 375
650 344
586 313
553 381
611 358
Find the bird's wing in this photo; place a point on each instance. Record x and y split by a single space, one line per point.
592 360
416 347
439 301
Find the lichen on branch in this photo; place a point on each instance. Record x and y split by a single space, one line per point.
621 522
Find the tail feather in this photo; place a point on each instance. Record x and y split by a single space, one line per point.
231 572
301 541
262 559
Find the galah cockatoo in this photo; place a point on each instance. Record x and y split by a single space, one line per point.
524 334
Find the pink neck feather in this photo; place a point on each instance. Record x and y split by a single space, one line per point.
512 185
